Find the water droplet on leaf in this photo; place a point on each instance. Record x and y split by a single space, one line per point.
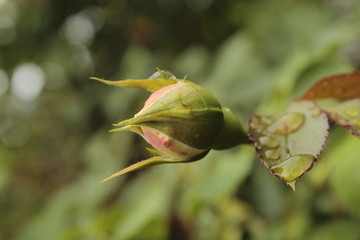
293 167
266 120
342 121
162 74
269 142
316 112
357 122
258 146
272 154
288 123
353 113
312 105
255 122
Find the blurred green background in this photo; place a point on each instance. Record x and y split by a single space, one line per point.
255 55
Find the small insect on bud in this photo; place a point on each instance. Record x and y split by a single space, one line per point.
180 120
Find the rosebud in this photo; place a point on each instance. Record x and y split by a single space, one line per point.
181 120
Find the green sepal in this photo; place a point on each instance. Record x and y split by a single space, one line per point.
153 151
132 128
151 85
140 165
180 124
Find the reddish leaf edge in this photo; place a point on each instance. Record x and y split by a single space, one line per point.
309 95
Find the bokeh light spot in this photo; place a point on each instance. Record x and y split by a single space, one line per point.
27 81
79 29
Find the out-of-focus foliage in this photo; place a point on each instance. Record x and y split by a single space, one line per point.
255 56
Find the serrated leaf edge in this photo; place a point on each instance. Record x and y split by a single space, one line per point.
263 161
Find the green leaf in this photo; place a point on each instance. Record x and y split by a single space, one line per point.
288 143
346 114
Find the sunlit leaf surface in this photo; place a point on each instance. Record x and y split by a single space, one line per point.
288 144
346 114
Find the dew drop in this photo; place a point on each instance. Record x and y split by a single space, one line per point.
316 112
353 113
269 142
272 154
342 122
258 146
162 74
357 123
260 129
255 122
293 167
266 120
288 123
312 105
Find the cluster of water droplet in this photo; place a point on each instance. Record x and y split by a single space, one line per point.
346 114
351 118
267 129
271 136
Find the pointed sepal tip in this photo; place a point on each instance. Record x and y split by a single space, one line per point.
140 165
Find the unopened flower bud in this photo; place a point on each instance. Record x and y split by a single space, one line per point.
180 120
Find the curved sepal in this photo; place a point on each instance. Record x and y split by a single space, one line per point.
151 85
158 80
140 165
